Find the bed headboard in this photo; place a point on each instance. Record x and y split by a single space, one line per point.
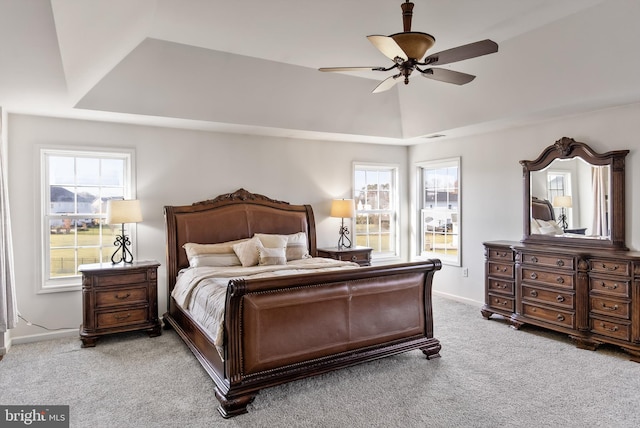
542 209
229 217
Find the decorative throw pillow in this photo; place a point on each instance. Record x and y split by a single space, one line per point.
272 240
216 255
271 256
296 244
247 251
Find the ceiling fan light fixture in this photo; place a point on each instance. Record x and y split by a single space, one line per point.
413 43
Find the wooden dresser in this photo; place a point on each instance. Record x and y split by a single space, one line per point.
118 298
593 296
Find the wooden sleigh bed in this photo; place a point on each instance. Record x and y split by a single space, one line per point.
285 328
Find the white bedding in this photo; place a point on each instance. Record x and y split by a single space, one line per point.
201 291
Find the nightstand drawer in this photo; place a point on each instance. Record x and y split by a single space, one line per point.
360 255
121 318
128 279
121 296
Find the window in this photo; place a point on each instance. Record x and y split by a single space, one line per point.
376 199
75 188
439 204
559 184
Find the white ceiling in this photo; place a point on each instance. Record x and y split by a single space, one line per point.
251 66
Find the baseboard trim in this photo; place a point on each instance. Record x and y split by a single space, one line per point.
45 336
458 298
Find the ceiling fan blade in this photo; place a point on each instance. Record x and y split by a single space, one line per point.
388 47
348 68
449 76
472 50
387 84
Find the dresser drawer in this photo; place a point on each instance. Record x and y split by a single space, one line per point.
612 307
611 267
550 315
554 279
504 270
501 302
610 286
500 286
499 254
121 296
121 318
619 330
547 260
541 295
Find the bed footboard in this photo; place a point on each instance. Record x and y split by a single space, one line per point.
282 329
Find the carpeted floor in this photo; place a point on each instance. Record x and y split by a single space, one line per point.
489 376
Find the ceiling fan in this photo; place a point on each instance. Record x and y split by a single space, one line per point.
407 48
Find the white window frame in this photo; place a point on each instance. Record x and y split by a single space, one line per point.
46 284
455 258
394 212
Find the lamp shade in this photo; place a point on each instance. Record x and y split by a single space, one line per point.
562 201
123 211
343 208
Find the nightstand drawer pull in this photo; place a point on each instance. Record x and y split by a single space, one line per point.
354 258
122 317
119 297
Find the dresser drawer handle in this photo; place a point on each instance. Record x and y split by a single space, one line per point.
609 287
560 280
533 293
560 299
504 269
604 326
611 269
499 254
121 317
534 275
500 285
501 302
560 263
560 317
117 296
609 308
534 259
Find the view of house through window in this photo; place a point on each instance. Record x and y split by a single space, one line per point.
376 200
75 191
439 217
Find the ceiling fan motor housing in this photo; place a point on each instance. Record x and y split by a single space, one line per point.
413 43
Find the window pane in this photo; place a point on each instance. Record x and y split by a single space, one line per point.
61 170
88 170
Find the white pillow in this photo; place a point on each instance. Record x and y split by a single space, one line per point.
549 227
271 256
247 251
296 244
220 254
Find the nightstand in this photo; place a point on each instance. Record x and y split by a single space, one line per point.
118 298
360 255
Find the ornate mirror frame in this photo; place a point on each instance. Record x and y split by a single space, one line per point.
568 148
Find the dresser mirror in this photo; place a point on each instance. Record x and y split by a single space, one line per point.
574 196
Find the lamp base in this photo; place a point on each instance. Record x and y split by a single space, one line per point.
344 241
122 254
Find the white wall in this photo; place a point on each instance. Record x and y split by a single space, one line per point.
179 167
492 187
174 167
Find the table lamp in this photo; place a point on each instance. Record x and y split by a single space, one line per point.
343 208
121 212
